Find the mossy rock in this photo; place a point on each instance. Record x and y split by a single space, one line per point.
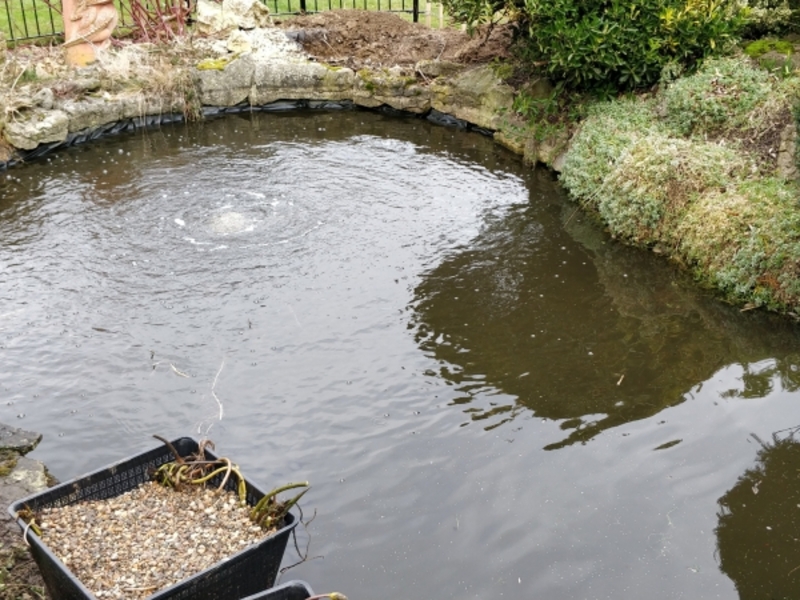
779 63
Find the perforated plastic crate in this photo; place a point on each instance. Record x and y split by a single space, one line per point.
243 574
292 590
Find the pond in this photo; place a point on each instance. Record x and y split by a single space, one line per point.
489 396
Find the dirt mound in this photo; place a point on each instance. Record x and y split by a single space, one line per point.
357 38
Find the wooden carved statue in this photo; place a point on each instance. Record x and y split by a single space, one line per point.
88 25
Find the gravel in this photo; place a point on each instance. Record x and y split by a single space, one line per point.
135 544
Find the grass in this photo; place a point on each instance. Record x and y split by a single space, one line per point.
29 19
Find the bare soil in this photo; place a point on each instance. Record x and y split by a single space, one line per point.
356 38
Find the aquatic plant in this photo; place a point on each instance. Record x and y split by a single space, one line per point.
197 469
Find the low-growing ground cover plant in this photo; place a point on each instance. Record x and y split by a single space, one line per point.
691 171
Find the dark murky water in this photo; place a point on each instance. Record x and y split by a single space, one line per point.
490 398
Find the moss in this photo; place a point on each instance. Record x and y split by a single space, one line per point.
333 68
8 460
215 64
503 71
761 47
367 77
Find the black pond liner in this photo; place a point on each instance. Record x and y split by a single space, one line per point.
245 573
210 112
291 590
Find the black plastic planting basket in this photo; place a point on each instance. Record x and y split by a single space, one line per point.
242 574
292 590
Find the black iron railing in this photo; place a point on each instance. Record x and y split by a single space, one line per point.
32 20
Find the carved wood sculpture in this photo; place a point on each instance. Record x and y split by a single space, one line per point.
88 25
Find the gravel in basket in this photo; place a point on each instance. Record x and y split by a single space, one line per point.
114 533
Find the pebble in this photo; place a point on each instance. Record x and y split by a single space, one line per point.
151 537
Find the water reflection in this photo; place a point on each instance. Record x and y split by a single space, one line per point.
592 335
757 536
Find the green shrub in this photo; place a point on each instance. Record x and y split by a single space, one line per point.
657 179
477 12
612 45
765 17
725 94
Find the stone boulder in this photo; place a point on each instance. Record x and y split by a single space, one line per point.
300 80
221 19
89 113
37 126
18 440
224 82
250 14
392 87
476 95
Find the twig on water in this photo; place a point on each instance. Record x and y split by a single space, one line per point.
179 372
213 393
574 212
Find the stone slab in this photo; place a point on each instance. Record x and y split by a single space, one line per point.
18 440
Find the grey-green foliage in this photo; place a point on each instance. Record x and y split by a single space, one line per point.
609 131
763 264
766 17
721 96
628 167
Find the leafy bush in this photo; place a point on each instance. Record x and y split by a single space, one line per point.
616 44
766 17
725 94
609 45
478 12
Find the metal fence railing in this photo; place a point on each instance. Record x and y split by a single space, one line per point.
31 20
24 21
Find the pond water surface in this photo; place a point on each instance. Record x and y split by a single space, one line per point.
490 397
